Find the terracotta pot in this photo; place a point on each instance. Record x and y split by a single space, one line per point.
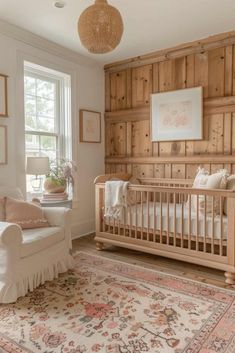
52 185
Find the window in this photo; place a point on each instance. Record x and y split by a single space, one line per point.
47 114
42 129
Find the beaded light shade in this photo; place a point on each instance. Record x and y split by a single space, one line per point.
100 27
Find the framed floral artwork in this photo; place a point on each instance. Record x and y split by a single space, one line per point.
3 144
177 115
90 126
3 96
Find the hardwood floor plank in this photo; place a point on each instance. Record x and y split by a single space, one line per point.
164 265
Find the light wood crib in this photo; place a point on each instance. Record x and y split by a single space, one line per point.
162 221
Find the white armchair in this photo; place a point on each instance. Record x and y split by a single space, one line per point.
30 257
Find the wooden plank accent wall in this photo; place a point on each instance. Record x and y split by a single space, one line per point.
209 63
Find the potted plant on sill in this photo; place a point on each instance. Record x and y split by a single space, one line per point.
60 177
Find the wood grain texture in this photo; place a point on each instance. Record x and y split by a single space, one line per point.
185 245
128 94
196 47
177 268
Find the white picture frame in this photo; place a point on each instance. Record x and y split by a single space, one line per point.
177 115
3 145
3 96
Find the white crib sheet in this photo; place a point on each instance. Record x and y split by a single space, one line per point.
148 222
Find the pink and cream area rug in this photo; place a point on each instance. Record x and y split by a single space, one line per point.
108 306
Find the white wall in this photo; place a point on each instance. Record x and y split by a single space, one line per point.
87 92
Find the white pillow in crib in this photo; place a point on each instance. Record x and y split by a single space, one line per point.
230 186
205 181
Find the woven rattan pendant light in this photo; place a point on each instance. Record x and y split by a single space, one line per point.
100 27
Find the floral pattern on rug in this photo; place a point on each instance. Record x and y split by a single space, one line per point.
108 306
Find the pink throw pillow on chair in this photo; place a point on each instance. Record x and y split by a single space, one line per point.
2 209
27 215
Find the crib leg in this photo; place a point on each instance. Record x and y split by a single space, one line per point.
230 278
99 246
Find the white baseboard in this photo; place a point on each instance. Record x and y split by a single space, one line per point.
83 229
81 235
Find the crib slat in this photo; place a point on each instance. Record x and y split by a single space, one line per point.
205 224
213 226
189 221
142 215
114 225
197 224
174 219
160 218
130 227
103 212
168 219
124 229
182 224
221 225
147 215
154 217
136 216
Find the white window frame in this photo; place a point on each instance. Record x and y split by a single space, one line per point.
63 107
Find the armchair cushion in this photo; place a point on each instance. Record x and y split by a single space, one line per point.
27 215
37 240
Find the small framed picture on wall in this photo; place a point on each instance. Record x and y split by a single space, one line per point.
90 126
3 144
3 96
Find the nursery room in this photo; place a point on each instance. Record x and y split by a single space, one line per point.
117 176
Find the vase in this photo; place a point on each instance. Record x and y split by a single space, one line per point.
54 185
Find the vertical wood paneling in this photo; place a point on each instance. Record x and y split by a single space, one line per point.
155 77
141 85
228 75
159 171
168 170
120 168
143 170
128 88
233 133
214 70
107 93
107 139
166 75
119 90
227 133
180 73
118 139
178 171
191 170
128 139
216 59
190 71
201 72
141 144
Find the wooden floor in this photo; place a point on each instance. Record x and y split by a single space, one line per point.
195 272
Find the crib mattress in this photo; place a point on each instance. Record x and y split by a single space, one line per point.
135 216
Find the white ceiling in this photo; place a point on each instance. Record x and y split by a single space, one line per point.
150 25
